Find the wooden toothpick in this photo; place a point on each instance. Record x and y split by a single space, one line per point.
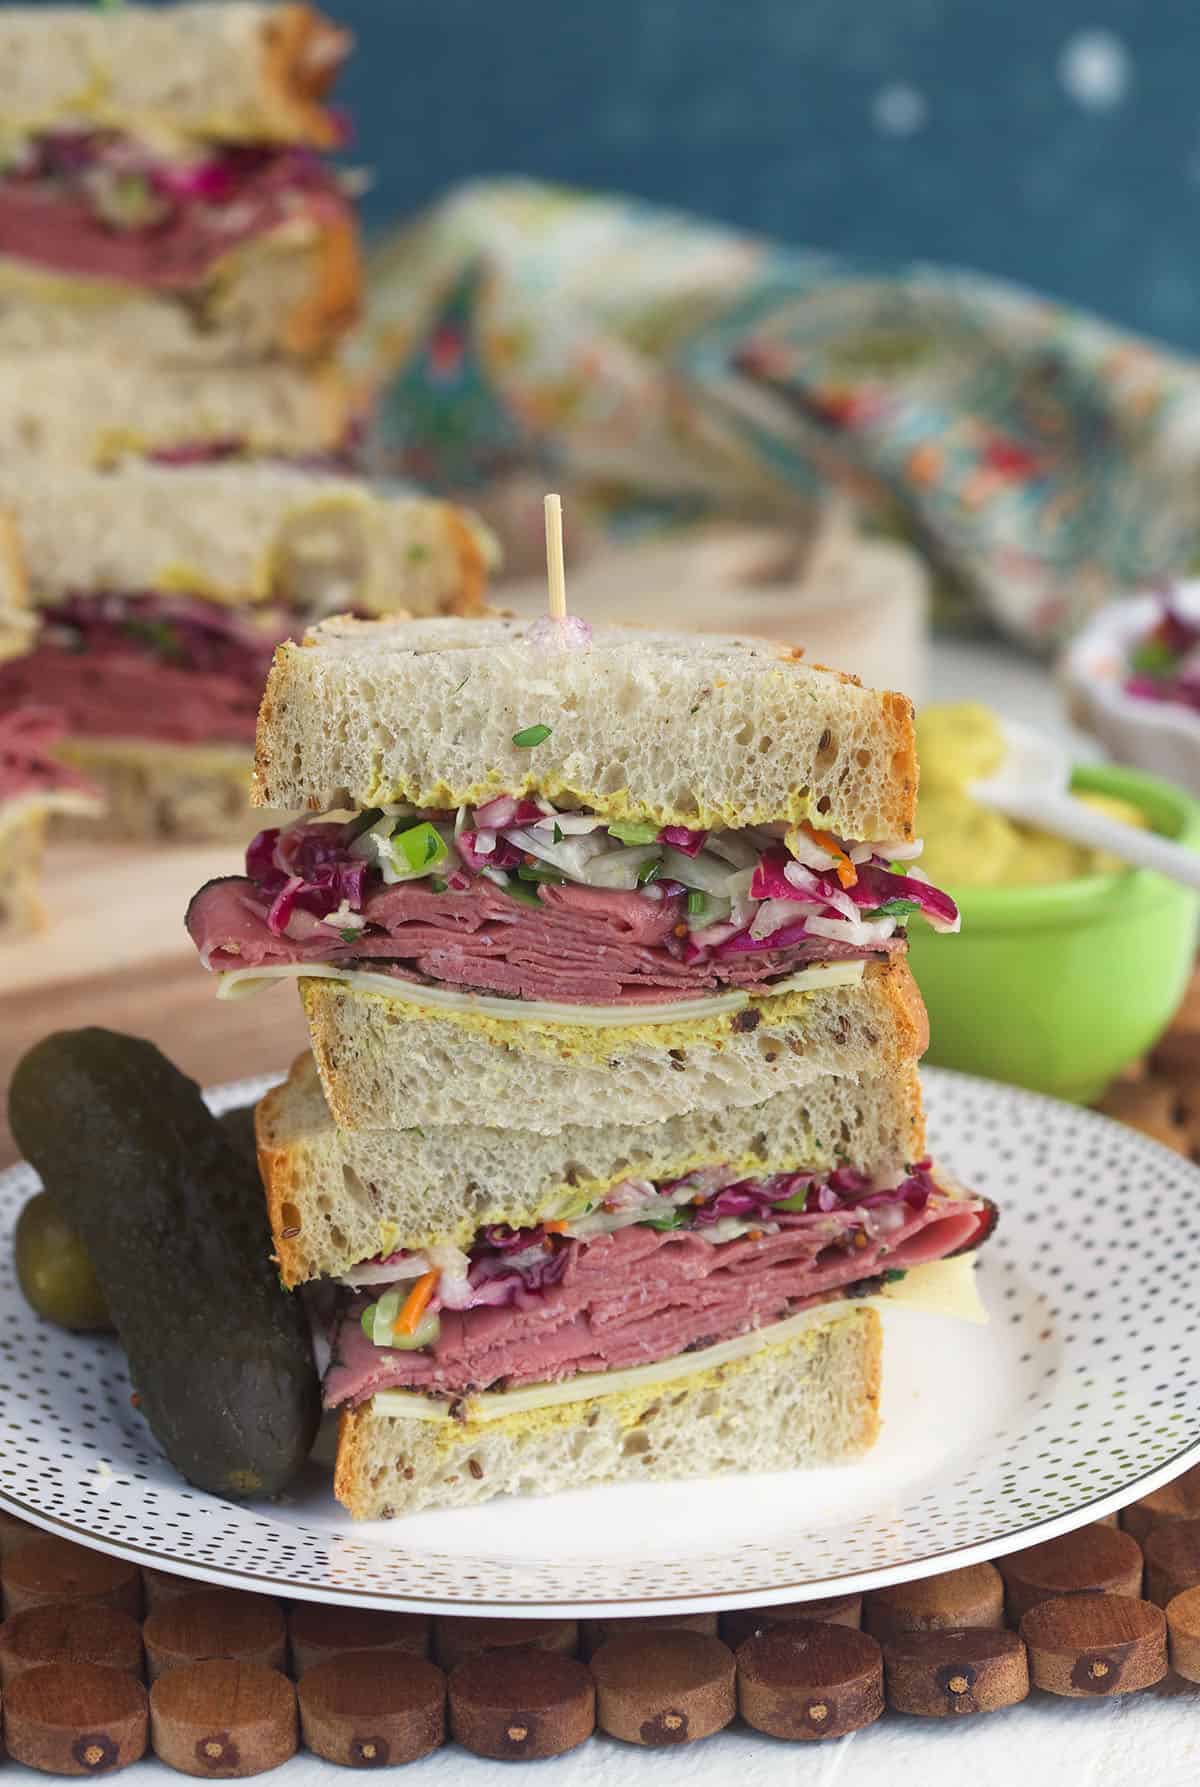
556 575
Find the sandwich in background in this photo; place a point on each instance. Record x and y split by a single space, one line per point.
162 189
161 593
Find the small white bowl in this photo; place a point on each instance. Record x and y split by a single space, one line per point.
1162 737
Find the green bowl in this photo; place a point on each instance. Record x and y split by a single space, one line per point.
1059 987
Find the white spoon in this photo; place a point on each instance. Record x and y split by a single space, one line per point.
1032 784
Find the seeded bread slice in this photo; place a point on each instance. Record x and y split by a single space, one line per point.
388 1064
240 534
239 72
678 728
807 1401
337 1197
84 410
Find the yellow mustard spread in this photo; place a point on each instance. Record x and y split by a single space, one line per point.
965 844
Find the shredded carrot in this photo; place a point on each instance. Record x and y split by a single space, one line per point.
415 1304
847 874
555 1228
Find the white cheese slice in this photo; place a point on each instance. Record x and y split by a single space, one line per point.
945 1287
238 983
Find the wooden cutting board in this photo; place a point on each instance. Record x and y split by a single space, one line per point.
114 952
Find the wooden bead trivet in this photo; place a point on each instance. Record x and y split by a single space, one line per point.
223 1720
810 1680
595 1632
1183 1633
1098 1558
748 1622
941 1674
1179 1500
1151 1106
1172 1553
663 1688
1088 1644
970 1597
75 1719
50 1570
161 1586
373 1709
317 1633
216 1622
454 1638
77 1632
521 1705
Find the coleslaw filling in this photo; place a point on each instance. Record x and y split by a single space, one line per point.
727 892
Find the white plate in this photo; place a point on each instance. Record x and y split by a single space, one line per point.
1079 1396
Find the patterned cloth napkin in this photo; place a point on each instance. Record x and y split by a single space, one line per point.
1043 459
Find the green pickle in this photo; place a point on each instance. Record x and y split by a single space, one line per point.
54 1272
168 1203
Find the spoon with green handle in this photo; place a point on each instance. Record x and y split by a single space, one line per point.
1032 785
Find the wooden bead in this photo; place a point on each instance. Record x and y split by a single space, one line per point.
1177 1500
75 1719
1151 1106
50 1570
942 1674
1183 1633
810 1680
455 1639
748 1622
223 1720
160 1586
521 1705
1089 1644
317 1632
595 1632
217 1622
1099 1558
373 1709
14 1533
1172 1553
973 1596
662 1688
77 1632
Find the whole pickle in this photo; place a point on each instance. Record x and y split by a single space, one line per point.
53 1269
174 1219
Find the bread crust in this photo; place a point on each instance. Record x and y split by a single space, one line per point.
809 1401
302 52
22 841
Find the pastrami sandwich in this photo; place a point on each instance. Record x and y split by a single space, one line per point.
160 185
614 1301
539 870
160 595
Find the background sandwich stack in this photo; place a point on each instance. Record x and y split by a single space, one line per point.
178 265
611 1135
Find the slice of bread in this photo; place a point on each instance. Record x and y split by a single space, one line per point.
293 290
241 534
389 1064
85 411
22 839
154 790
807 1401
678 728
240 72
337 1197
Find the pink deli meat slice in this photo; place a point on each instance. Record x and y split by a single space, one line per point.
639 1295
580 944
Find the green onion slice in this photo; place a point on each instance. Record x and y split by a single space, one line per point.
421 845
530 736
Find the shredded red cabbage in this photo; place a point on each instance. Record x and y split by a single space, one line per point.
690 843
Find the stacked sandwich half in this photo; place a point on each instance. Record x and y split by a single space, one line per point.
611 1138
